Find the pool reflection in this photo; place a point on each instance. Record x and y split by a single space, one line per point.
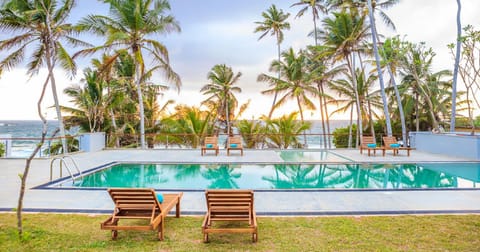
284 176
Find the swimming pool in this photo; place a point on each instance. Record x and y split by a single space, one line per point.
197 177
304 156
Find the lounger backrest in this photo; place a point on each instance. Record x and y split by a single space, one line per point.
235 140
367 140
389 140
134 198
211 140
230 204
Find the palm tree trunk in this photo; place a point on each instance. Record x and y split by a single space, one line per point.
49 55
400 106
455 69
417 116
370 117
379 69
279 76
301 116
28 161
350 128
322 115
357 98
140 106
115 128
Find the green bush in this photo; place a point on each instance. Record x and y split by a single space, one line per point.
340 136
2 149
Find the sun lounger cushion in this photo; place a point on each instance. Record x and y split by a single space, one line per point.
233 145
209 145
395 145
372 145
160 197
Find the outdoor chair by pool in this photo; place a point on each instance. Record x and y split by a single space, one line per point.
368 143
234 143
391 143
210 143
229 206
140 205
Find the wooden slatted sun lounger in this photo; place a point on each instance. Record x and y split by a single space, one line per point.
234 143
367 142
229 206
210 143
389 142
142 204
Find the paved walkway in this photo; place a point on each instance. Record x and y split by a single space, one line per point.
267 202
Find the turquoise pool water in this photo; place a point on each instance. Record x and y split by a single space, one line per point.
284 176
311 156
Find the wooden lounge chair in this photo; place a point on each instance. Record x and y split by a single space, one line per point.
391 143
368 143
210 143
140 204
230 206
234 143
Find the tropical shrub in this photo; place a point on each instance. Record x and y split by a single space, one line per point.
2 149
340 136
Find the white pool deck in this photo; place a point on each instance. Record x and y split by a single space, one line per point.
285 203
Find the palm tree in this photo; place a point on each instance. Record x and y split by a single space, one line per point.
252 132
188 125
316 7
342 36
416 65
221 91
390 53
295 82
40 23
455 69
283 132
369 99
274 22
379 69
129 27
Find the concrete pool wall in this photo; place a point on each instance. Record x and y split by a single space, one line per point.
452 144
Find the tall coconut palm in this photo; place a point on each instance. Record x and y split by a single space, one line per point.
317 7
455 69
274 23
40 26
379 69
131 26
344 32
221 91
295 82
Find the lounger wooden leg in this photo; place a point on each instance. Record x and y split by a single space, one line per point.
114 234
205 237
160 230
177 210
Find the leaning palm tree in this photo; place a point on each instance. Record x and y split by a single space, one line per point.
274 22
130 26
42 27
295 82
221 91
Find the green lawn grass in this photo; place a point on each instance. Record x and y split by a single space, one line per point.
75 232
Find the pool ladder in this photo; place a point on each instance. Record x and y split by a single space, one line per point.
63 162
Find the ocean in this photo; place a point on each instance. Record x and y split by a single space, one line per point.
24 133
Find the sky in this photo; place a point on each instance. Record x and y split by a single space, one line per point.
221 32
